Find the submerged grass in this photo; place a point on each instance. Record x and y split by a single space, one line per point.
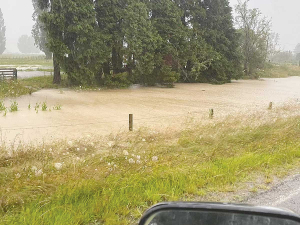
113 180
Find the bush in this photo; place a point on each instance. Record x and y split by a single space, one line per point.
120 80
167 76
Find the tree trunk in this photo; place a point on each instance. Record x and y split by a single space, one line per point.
106 69
57 76
117 58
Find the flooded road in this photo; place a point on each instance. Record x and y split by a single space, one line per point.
103 112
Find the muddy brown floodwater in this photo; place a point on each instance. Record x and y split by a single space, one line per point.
103 112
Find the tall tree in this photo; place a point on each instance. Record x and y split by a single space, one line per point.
38 31
110 19
170 53
74 38
51 17
2 34
255 36
141 40
297 49
26 45
213 20
297 53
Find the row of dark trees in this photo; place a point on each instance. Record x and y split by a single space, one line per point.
138 41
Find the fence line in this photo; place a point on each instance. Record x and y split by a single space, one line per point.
95 123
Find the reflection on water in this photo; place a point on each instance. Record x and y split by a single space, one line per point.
193 217
102 112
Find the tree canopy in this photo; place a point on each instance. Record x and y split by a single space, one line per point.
38 31
297 49
257 40
26 45
2 34
136 41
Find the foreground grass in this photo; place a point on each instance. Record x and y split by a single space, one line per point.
13 89
280 71
113 180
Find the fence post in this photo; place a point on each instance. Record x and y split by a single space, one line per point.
130 122
211 113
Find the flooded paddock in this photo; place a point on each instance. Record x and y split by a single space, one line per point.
85 113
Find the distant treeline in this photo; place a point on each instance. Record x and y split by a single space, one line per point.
113 42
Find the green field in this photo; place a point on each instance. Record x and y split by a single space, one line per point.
112 180
25 60
279 71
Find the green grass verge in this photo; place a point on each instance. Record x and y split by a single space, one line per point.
13 89
43 82
280 71
112 181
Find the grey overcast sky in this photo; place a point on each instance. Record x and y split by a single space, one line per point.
285 15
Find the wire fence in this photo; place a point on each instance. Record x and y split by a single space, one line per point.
148 119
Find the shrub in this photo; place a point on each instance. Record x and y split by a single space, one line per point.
120 80
14 106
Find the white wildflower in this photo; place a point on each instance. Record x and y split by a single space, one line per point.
143 140
132 155
77 158
34 168
110 144
68 153
138 162
38 173
18 175
108 164
138 157
78 149
50 149
70 143
154 158
58 166
131 160
96 169
125 152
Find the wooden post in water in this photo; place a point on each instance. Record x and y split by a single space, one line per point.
211 113
270 105
130 122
